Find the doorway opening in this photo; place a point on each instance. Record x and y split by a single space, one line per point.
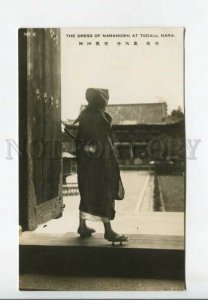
153 176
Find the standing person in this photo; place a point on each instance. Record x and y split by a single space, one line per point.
99 179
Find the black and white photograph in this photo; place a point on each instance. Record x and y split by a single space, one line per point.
102 164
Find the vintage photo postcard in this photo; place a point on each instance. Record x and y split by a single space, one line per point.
102 159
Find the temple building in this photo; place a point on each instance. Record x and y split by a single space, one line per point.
142 133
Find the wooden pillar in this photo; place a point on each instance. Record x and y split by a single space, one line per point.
131 153
40 196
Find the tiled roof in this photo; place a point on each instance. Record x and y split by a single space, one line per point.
141 113
69 122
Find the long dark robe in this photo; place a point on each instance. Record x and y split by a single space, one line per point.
98 172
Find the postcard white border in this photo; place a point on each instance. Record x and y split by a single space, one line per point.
193 15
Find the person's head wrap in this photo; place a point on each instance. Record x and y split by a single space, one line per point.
97 97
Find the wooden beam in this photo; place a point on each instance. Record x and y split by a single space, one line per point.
136 241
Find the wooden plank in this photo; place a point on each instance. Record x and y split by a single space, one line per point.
36 104
23 132
143 256
34 123
52 115
140 241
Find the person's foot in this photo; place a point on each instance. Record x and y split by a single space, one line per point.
85 231
112 236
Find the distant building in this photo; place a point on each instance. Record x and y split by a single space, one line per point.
138 114
69 165
143 133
